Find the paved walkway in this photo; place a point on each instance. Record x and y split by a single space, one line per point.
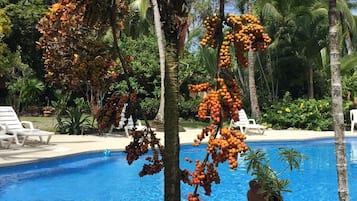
63 145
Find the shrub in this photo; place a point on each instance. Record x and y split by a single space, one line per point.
188 108
308 114
74 121
150 106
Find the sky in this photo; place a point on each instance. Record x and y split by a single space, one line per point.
354 11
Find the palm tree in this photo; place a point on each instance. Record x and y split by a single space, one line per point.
174 18
312 28
302 27
160 41
336 92
142 6
252 87
348 24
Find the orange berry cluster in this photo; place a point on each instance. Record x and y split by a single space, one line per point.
234 89
205 132
248 33
200 87
211 103
110 113
210 38
142 141
227 147
230 98
204 175
193 197
107 115
224 52
224 98
221 104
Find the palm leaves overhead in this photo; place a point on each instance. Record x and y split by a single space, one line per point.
299 29
348 27
349 64
208 58
141 6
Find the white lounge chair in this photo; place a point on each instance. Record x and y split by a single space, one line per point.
14 126
129 126
5 137
353 117
244 124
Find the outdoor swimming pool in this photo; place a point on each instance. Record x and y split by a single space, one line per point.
94 177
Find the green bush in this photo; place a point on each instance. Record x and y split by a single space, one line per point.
150 106
308 114
188 108
74 120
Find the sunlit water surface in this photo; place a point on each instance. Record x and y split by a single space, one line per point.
94 177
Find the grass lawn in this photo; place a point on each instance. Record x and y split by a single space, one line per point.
43 123
49 123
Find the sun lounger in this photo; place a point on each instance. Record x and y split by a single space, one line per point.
244 124
4 137
130 124
15 127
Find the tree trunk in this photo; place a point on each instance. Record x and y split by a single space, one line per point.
310 83
173 18
160 42
172 144
336 92
252 87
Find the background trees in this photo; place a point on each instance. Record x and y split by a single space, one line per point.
298 47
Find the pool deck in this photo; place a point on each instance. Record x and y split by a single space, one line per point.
64 145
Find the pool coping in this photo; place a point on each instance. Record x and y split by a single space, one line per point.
71 145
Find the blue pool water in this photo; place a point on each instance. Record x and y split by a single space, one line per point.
94 177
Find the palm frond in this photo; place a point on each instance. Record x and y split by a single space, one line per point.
292 157
141 6
348 64
270 12
347 16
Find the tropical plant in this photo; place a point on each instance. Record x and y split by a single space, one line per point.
142 6
77 58
270 186
349 76
24 15
75 120
23 87
300 113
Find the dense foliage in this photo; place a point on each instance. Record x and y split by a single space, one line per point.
309 114
75 54
301 113
297 47
74 119
24 18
